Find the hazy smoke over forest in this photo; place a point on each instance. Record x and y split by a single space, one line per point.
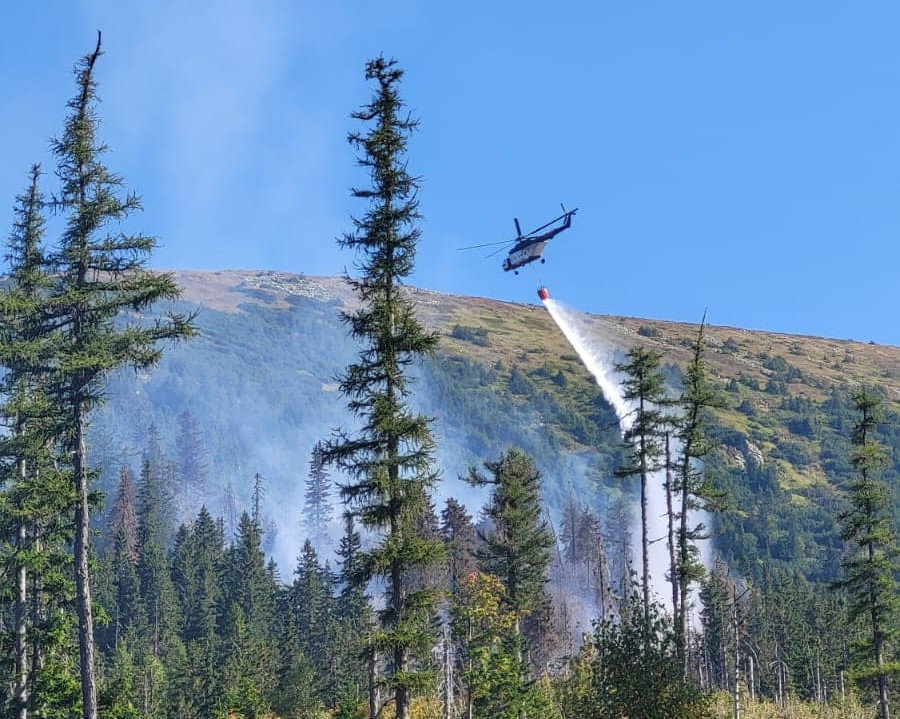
259 386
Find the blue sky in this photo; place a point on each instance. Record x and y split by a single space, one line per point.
740 158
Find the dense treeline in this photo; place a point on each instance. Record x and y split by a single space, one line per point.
197 624
423 613
197 621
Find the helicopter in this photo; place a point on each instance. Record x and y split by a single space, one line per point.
529 247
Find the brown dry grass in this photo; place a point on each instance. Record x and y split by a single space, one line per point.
723 708
518 330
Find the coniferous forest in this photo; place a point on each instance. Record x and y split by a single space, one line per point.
144 600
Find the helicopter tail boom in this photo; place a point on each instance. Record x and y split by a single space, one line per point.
566 217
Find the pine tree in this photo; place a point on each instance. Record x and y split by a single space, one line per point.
193 464
317 504
313 613
197 566
248 629
461 540
156 641
123 555
354 621
517 549
389 461
34 503
697 397
644 386
872 566
102 273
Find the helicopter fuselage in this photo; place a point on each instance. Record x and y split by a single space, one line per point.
523 253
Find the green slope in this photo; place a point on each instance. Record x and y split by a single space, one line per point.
261 382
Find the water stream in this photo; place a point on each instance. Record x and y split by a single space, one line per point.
599 359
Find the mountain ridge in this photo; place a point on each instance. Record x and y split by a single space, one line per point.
232 286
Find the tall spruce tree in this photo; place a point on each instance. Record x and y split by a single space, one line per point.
197 565
354 621
34 501
872 565
157 644
698 396
317 504
389 460
157 592
249 628
122 557
644 387
295 693
21 327
352 598
311 604
102 273
460 538
193 465
517 549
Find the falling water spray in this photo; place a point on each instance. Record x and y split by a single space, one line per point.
598 359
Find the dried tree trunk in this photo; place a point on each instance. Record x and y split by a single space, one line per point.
82 572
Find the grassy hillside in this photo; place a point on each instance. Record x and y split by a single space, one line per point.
261 381
527 331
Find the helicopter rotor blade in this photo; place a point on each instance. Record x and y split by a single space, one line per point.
487 244
497 252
